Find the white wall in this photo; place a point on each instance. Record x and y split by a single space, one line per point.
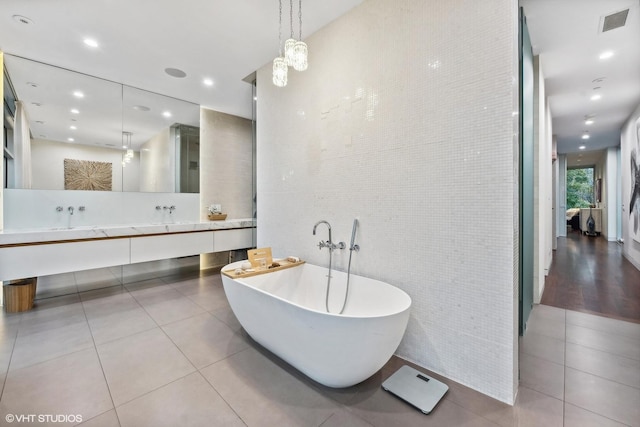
36 209
226 172
542 183
405 119
158 163
47 158
561 193
226 150
629 142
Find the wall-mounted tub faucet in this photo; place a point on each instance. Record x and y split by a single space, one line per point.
70 209
329 243
171 209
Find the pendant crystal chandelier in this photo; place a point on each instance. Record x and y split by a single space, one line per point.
295 51
280 68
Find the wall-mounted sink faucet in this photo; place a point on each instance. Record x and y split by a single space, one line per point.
70 209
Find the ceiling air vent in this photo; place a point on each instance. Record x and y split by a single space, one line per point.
615 20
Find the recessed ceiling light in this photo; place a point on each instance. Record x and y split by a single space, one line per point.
596 97
75 111
32 84
22 19
70 139
72 127
141 108
41 122
90 42
588 122
598 80
606 54
582 147
585 136
36 104
78 94
175 72
208 82
167 114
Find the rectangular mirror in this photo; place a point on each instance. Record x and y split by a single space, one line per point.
146 141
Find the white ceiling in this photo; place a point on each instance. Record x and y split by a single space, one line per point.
567 36
219 39
227 41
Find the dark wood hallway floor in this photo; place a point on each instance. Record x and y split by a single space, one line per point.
591 275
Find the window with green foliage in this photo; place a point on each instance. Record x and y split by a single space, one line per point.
579 188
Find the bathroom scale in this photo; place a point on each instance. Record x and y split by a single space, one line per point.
415 388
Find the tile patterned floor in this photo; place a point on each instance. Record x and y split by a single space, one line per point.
167 351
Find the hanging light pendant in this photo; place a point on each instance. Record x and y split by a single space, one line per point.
290 42
300 51
280 69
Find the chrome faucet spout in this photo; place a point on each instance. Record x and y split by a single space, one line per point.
70 209
329 243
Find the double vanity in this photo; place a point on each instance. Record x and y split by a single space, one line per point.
39 252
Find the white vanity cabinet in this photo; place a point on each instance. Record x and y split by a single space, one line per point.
153 248
227 240
30 254
53 258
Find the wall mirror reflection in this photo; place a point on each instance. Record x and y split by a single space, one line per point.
150 142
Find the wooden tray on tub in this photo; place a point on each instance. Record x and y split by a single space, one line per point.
284 264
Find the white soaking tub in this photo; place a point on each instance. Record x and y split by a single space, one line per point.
285 312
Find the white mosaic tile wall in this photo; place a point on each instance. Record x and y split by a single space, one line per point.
405 120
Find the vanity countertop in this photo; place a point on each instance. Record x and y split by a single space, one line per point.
42 235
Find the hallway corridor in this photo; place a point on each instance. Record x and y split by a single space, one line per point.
591 275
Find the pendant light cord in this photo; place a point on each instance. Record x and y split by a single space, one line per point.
280 29
300 19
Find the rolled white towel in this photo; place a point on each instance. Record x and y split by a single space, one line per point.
293 259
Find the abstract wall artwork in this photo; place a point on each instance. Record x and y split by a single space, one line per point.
634 201
87 175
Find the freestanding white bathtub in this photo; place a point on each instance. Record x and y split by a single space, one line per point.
285 312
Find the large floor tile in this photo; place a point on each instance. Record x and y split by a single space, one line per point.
546 326
607 398
205 339
141 363
115 302
605 341
211 300
227 316
604 324
547 312
542 375
609 366
7 342
49 344
342 418
107 419
173 310
120 324
189 401
382 409
533 409
263 394
578 417
543 347
195 285
52 313
71 384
